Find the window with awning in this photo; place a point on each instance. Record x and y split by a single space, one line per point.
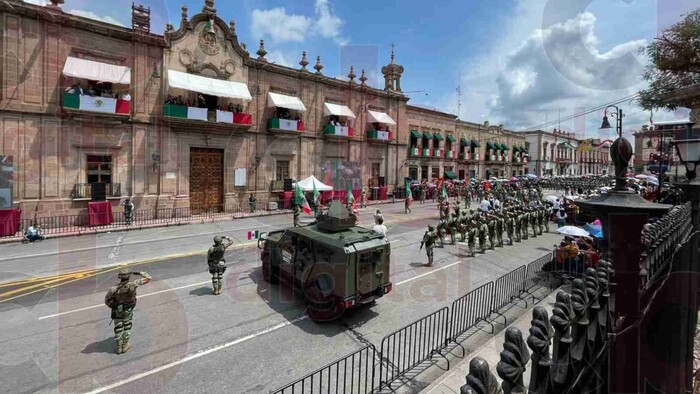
284 101
210 86
476 144
504 147
490 145
566 145
437 136
337 110
451 138
96 71
415 134
427 135
380 117
463 142
450 175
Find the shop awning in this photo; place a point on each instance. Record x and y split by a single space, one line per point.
284 101
566 144
415 134
463 142
211 86
450 175
451 138
437 136
427 135
504 147
337 110
380 117
476 144
490 145
96 71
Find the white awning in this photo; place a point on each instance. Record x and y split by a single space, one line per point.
214 87
380 117
337 110
283 101
96 71
307 185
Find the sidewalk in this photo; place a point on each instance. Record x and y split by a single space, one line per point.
456 377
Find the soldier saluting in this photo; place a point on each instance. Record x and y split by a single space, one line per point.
122 300
429 241
216 262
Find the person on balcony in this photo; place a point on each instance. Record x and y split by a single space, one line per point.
126 96
297 118
75 89
239 108
230 107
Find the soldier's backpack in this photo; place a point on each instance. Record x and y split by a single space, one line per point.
121 294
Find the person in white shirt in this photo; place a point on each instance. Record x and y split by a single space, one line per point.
378 216
380 227
485 205
496 204
126 96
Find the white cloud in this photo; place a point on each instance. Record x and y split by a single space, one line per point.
38 2
280 58
280 26
92 15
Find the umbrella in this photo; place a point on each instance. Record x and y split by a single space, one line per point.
653 181
573 231
551 199
531 176
513 179
641 176
595 230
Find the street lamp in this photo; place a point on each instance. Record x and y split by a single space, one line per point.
689 154
617 114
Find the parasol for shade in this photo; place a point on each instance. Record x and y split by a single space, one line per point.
573 231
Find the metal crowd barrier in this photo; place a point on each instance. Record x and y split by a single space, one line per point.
469 310
506 289
353 374
407 347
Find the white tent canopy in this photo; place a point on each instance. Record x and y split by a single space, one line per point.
214 87
307 185
338 110
380 117
96 71
284 101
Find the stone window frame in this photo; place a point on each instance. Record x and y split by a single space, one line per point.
85 151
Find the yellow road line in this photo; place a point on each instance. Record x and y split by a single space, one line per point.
42 278
23 289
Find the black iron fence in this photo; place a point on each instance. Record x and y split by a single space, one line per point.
407 348
96 191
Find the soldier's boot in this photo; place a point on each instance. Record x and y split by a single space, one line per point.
430 261
213 285
125 346
471 250
118 349
221 287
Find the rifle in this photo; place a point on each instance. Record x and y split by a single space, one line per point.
423 241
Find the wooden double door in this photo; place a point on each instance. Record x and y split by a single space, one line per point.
206 180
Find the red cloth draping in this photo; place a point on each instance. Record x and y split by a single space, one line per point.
300 126
286 198
9 221
241 118
123 107
100 213
383 193
351 132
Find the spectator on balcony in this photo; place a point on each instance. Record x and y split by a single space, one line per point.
75 89
90 91
239 108
34 233
187 103
126 96
297 118
230 107
181 101
201 101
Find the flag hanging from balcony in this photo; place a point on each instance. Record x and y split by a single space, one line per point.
96 104
180 111
409 194
300 200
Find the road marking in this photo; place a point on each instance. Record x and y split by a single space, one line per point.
427 273
140 296
197 355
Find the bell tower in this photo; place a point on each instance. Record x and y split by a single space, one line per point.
392 74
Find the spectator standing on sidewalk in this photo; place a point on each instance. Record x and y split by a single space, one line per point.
252 201
561 218
380 227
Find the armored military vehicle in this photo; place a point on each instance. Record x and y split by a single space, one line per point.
333 263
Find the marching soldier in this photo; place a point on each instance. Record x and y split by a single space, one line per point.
441 231
216 262
540 219
297 212
533 221
516 221
491 222
510 227
500 224
452 225
407 205
471 236
483 230
429 242
421 193
524 223
122 300
468 197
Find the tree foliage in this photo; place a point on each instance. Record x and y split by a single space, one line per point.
675 62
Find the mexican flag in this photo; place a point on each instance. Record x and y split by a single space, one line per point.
254 234
300 200
348 193
180 111
444 190
316 194
409 194
96 104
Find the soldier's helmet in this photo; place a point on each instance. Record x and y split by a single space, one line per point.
217 240
431 228
125 273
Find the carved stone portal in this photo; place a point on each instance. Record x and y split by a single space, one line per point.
208 42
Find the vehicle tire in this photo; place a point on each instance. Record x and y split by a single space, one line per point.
319 308
270 273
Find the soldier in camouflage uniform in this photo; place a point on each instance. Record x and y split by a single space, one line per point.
516 220
533 221
441 231
122 300
483 231
510 226
429 241
216 262
297 212
524 223
500 223
471 236
540 219
468 197
421 194
491 223
452 225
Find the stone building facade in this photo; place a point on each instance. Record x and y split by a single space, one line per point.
210 150
559 153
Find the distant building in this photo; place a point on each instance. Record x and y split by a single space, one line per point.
561 153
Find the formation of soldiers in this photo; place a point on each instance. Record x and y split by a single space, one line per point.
587 184
516 220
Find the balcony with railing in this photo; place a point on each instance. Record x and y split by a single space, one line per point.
338 131
83 103
379 136
194 117
276 185
437 153
279 125
414 152
96 191
450 154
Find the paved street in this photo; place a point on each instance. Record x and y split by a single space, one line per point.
55 332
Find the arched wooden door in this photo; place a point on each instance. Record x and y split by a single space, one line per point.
206 180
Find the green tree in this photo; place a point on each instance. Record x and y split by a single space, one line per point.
675 62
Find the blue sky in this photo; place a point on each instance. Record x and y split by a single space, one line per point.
520 62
